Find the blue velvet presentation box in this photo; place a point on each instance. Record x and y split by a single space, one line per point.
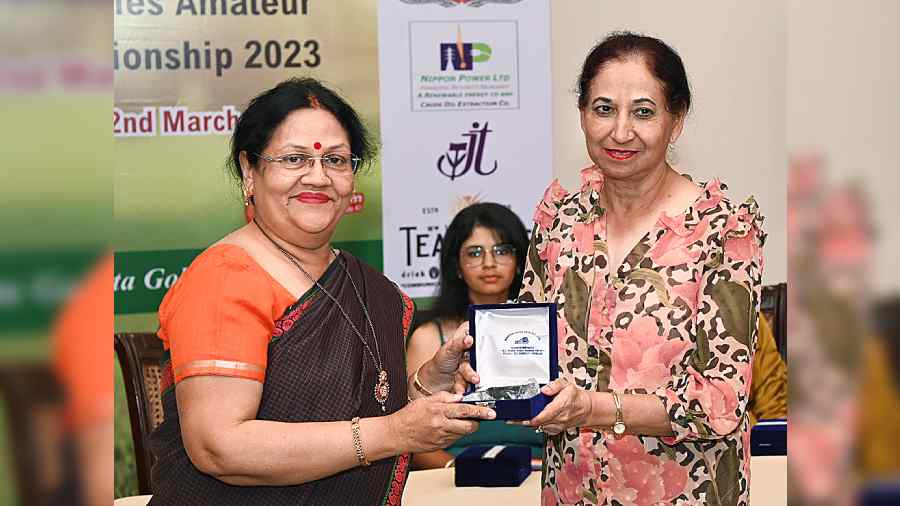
769 437
514 345
492 466
880 493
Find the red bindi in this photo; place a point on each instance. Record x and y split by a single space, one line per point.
317 145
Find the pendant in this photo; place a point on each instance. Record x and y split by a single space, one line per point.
382 388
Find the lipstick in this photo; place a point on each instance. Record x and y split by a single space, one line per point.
620 154
313 198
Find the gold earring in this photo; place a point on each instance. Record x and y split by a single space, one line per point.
671 154
248 198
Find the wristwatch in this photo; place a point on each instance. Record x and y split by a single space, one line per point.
619 425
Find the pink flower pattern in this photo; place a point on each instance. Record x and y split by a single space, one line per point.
548 498
741 231
641 357
688 292
640 478
646 323
603 306
674 247
718 400
546 210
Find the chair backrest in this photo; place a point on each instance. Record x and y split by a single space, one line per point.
140 356
774 306
33 399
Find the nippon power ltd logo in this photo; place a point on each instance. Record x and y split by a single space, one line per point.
457 3
461 55
461 157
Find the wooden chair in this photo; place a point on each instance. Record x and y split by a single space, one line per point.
139 357
774 306
33 399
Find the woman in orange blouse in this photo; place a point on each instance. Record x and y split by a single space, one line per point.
286 379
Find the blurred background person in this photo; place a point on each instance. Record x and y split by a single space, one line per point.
828 332
56 224
482 256
83 364
879 448
769 386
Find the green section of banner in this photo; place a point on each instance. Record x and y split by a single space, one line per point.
173 194
143 277
33 284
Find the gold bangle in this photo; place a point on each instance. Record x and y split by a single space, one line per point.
357 443
418 384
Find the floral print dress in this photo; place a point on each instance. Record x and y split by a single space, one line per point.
678 319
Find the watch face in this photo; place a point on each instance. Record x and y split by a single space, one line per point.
619 428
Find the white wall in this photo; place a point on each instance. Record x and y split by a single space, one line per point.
842 84
734 53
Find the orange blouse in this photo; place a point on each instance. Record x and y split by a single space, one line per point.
219 316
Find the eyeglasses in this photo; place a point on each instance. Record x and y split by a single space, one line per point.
302 163
503 254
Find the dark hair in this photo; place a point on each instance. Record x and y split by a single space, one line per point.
662 61
265 113
453 295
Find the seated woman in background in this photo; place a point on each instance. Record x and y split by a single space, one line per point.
481 263
768 389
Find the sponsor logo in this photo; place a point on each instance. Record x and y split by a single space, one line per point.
422 243
461 157
463 55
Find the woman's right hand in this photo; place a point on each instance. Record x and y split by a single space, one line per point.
436 422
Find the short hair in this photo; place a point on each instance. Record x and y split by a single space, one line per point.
453 294
662 61
268 110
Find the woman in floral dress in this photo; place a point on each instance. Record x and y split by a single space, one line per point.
657 280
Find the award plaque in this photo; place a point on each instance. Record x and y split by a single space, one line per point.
515 355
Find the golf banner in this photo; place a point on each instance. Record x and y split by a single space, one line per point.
184 70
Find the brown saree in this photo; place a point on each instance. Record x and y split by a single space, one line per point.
318 370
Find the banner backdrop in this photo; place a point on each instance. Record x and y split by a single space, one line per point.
465 117
184 69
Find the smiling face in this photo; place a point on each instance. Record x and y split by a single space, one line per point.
305 204
626 125
487 275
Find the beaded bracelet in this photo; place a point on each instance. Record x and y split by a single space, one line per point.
357 443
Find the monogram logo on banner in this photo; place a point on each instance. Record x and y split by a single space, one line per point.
461 157
459 55
454 3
